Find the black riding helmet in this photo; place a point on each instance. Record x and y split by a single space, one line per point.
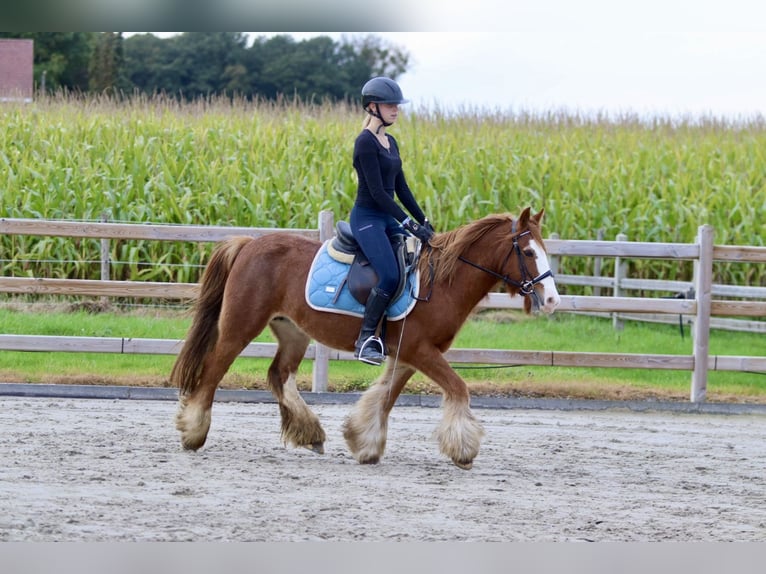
381 90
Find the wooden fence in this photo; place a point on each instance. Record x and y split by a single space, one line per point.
702 307
620 282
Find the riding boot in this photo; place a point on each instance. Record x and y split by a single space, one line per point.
369 348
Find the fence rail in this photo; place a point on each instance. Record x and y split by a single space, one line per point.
104 230
139 346
621 282
701 306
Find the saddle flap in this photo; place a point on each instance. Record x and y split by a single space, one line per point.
361 278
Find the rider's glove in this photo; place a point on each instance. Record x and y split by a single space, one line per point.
423 232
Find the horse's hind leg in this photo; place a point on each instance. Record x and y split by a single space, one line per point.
300 426
366 426
235 328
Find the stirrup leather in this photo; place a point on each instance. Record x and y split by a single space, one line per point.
372 340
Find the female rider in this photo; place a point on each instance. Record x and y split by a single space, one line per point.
376 215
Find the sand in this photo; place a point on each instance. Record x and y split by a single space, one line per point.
113 470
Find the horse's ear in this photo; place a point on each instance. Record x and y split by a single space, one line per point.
538 217
524 219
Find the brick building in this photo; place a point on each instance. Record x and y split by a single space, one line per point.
16 69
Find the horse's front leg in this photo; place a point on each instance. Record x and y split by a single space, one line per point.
366 426
459 434
300 425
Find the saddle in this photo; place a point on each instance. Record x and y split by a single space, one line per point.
361 277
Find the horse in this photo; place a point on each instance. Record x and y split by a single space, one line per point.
251 283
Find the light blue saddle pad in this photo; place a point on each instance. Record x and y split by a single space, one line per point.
326 279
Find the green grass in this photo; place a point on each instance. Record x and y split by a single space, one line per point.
564 332
507 330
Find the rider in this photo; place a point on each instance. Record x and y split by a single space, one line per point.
375 215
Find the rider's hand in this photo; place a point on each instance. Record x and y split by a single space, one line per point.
423 232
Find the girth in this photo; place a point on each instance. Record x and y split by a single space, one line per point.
361 277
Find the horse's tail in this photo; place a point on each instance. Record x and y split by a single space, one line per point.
203 332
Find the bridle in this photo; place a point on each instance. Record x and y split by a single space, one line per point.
527 284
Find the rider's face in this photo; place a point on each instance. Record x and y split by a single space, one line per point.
389 112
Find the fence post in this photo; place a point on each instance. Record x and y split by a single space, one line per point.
620 271
703 287
322 353
597 262
553 260
105 263
104 251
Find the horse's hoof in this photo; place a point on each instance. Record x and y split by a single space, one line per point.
370 460
465 465
191 445
317 447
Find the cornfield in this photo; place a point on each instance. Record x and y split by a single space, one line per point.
224 162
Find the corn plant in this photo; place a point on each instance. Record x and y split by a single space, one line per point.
235 162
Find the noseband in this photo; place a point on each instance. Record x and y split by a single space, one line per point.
527 284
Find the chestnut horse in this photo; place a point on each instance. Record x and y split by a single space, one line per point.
253 283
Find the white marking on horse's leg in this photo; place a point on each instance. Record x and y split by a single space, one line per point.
366 426
194 423
292 397
459 433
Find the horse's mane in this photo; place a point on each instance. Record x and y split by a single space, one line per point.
447 247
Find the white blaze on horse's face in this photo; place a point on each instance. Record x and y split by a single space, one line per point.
550 295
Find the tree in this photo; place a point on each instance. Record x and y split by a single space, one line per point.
148 64
319 68
202 59
379 56
198 64
308 70
106 69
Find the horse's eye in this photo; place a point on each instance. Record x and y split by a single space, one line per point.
529 253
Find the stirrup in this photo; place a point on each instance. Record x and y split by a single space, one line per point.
376 359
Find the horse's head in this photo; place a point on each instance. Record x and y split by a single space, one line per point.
505 248
527 270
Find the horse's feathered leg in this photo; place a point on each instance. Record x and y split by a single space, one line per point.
366 426
459 434
194 414
300 426
192 369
